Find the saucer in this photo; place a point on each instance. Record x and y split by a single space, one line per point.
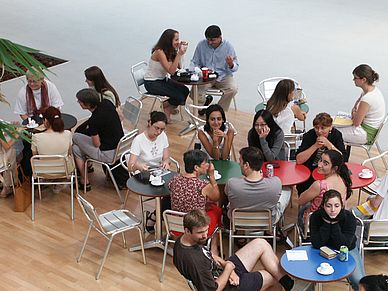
217 177
33 125
157 184
365 176
329 272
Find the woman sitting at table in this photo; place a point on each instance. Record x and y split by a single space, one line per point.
96 80
150 150
54 141
215 137
166 59
282 108
189 192
369 110
36 96
266 135
333 226
322 137
336 177
102 133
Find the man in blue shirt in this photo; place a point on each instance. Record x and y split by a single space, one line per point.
218 55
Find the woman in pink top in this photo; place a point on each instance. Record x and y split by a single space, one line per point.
336 177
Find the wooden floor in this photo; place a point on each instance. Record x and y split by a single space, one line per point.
42 254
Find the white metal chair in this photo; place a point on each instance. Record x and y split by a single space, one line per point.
304 235
256 222
198 122
138 71
376 237
131 111
108 225
368 147
123 146
173 221
191 285
54 168
292 142
219 93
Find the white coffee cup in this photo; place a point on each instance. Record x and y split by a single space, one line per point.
366 172
325 267
157 180
215 173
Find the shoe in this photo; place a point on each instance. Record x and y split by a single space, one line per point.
90 168
175 111
209 99
147 217
81 186
58 190
300 285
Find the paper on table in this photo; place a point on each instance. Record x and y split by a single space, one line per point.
297 255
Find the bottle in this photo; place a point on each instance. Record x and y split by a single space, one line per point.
192 67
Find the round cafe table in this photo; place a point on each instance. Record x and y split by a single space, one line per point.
355 169
227 169
289 172
69 120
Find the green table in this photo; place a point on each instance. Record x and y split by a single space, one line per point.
304 107
227 169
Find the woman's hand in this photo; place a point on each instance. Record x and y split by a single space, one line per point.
182 49
142 168
263 131
211 169
234 279
166 166
219 133
323 142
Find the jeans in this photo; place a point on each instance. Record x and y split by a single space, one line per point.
177 92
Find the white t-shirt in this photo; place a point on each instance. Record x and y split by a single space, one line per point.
53 94
286 118
376 113
149 152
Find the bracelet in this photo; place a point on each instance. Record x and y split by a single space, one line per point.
217 147
215 185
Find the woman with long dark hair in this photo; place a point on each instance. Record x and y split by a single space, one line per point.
215 137
166 58
369 110
54 141
336 177
282 108
333 226
266 135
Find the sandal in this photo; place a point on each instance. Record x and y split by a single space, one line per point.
90 168
148 216
175 111
81 186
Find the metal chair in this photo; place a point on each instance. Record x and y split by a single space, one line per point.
368 147
191 285
292 142
371 189
198 122
219 93
108 225
138 71
376 237
52 167
304 235
173 221
123 146
131 111
256 222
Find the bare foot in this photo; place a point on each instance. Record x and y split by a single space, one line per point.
7 190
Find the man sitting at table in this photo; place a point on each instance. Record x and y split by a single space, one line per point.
253 191
218 55
210 272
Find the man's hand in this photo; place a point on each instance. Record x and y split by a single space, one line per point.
230 60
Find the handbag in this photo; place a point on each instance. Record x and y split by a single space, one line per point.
22 191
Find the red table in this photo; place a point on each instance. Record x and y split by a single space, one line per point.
289 172
355 169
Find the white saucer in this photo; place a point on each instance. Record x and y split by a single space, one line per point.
367 176
217 177
32 126
157 184
329 272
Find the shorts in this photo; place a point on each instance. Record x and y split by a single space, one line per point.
249 281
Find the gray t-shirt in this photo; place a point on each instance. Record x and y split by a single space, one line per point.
261 194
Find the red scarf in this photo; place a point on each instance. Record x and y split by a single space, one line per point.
31 104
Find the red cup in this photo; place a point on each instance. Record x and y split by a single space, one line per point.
205 72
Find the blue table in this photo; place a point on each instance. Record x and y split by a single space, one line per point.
307 270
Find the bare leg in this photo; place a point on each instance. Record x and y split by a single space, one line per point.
214 245
80 163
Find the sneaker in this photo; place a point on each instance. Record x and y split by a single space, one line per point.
300 285
209 99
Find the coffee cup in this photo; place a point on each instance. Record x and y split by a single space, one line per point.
366 172
205 72
185 44
157 180
325 267
215 173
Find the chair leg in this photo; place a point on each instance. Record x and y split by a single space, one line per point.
192 140
114 183
382 157
124 240
164 258
126 199
72 196
105 255
33 200
84 244
274 239
234 101
86 175
221 244
142 244
39 190
153 104
144 221
230 243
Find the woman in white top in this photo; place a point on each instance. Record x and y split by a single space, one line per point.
150 150
216 137
54 141
369 110
165 59
282 108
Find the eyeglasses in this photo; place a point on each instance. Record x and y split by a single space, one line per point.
260 124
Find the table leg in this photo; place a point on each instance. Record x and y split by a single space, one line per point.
319 286
191 126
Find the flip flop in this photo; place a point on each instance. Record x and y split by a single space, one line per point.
148 216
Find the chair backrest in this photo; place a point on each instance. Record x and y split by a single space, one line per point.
378 231
191 285
124 144
90 212
132 111
44 166
267 87
379 130
173 220
251 220
138 71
